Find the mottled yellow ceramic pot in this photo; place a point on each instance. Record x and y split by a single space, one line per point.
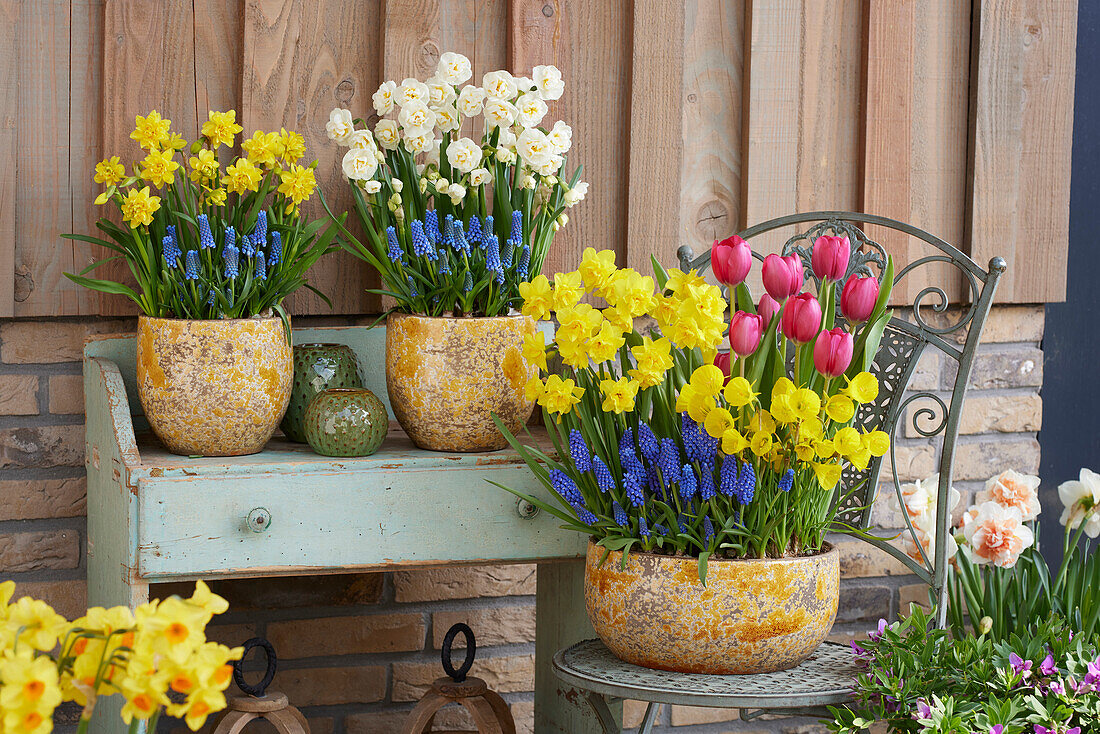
447 376
753 616
215 387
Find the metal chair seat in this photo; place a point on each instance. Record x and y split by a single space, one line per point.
826 677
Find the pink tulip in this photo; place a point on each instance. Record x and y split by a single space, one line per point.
802 318
830 257
768 307
746 330
833 352
858 298
722 362
783 276
730 259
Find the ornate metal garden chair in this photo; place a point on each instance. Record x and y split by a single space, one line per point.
827 676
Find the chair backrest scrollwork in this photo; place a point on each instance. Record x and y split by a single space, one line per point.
927 322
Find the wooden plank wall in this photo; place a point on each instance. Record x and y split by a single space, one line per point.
692 118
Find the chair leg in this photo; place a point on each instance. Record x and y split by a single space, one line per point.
650 718
603 713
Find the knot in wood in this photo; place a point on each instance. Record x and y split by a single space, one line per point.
344 91
548 10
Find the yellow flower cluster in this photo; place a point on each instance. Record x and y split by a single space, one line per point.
277 152
799 424
156 657
689 312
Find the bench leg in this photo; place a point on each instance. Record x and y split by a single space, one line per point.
560 621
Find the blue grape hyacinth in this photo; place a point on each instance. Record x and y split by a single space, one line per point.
634 492
473 232
191 271
517 225
248 249
604 480
565 487
261 266
231 256
585 515
420 244
171 251
206 237
689 485
706 484
396 254
746 483
578 451
708 529
727 477
643 527
259 234
621 518
648 442
276 253
524 265
787 480
668 460
488 232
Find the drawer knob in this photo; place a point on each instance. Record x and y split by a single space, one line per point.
259 520
525 509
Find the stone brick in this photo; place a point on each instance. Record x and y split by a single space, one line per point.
915 461
66 394
292 592
464 582
983 413
1004 324
333 686
68 598
862 560
321 725
493 626
982 459
18 395
234 635
503 674
633 711
913 594
805 729
42 446
50 342
926 376
690 715
523 712
863 602
361 634
39 550
31 499
1003 367
382 722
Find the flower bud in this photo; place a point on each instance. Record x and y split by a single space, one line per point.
985 625
858 298
722 362
783 276
833 352
746 330
802 318
829 258
730 259
768 307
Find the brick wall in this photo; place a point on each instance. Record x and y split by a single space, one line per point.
357 650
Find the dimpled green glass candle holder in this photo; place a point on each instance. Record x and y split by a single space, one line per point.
317 367
345 422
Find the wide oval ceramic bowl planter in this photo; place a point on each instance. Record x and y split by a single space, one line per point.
753 616
215 387
447 376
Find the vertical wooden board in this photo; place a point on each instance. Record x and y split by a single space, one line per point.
148 63
10 49
219 53
1021 129
301 59
42 192
710 174
85 144
590 42
656 121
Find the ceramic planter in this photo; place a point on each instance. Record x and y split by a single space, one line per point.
753 616
447 376
215 387
345 422
317 367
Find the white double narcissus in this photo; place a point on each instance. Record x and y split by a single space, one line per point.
360 164
499 113
548 82
388 134
416 119
464 154
1012 489
534 148
411 90
471 100
340 126
919 502
499 85
1081 499
453 68
561 137
531 110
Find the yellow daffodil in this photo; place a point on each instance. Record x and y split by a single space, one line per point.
38 625
708 379
840 408
687 395
863 388
221 128
533 389
738 392
825 448
290 146
175 141
26 721
605 343
678 280
109 171
204 166
860 458
876 442
630 292
573 351
151 131
568 289
242 177
297 184
534 349
537 298
827 474
805 451
847 441
578 323
621 318
811 428
216 196
29 683
718 421
210 602
761 443
733 442
262 148
158 168
596 268
653 359
663 311
762 420
138 207
559 396
783 409
618 395
805 403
